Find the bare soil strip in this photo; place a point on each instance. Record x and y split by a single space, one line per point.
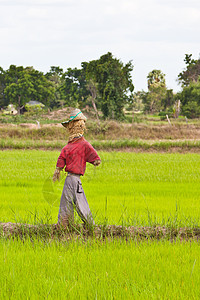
11 230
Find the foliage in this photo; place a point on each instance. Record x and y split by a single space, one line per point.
168 99
32 109
156 91
190 81
192 72
190 93
18 86
190 99
137 103
24 84
54 76
43 89
112 88
158 97
168 112
114 84
3 101
73 89
156 79
64 87
191 110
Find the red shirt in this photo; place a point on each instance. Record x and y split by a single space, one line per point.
75 155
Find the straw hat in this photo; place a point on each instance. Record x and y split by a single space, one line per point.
75 115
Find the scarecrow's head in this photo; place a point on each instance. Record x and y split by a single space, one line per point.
75 124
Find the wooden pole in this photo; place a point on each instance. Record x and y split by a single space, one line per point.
168 120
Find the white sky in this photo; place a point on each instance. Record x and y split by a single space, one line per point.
153 34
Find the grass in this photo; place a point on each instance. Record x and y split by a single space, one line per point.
128 188
146 145
77 231
119 269
58 115
109 130
109 145
18 119
141 189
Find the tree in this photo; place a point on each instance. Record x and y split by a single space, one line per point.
137 101
168 99
190 82
156 91
25 84
55 76
191 110
107 80
18 86
114 84
73 89
43 89
2 87
190 99
177 108
92 87
156 79
192 71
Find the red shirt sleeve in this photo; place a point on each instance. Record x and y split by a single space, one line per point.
91 154
61 162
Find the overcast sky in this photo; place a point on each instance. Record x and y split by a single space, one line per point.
153 34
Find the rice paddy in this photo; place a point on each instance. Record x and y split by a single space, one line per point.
33 269
136 188
131 189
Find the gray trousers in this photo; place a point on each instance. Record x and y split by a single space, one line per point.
73 196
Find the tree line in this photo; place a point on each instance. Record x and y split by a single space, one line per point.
105 84
163 100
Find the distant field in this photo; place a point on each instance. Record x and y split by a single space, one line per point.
109 130
192 146
128 188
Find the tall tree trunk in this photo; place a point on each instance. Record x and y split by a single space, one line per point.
95 109
19 104
92 89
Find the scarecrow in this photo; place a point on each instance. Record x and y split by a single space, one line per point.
74 157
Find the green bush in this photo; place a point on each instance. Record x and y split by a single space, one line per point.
34 109
191 110
163 114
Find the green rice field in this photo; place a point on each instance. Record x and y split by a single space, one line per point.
131 189
128 188
32 269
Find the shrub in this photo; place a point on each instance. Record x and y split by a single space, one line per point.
163 114
191 110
